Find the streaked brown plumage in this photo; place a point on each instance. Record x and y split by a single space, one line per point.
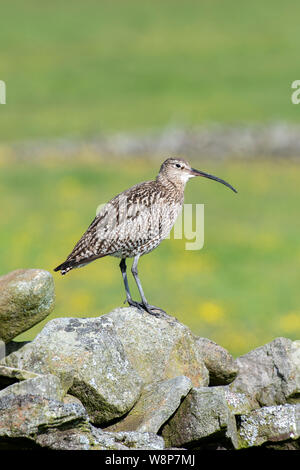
135 222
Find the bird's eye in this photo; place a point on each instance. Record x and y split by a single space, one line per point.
178 165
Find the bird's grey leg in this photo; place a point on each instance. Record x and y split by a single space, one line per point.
144 304
125 280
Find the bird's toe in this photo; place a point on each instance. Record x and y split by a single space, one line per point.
153 310
138 305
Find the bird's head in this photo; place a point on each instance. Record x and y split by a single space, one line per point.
180 171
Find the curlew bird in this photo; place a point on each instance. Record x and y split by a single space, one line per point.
135 222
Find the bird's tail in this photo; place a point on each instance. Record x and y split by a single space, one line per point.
70 264
65 267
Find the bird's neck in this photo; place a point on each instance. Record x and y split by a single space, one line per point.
171 185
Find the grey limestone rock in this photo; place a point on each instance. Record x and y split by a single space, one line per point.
33 406
159 348
46 386
221 365
206 412
91 438
90 361
26 297
10 375
270 374
269 424
155 406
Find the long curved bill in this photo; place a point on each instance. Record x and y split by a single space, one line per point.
195 172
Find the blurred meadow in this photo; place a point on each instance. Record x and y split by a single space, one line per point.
83 67
79 69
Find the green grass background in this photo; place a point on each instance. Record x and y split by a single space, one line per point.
76 69
82 67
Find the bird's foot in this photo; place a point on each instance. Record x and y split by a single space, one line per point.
152 309
133 303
